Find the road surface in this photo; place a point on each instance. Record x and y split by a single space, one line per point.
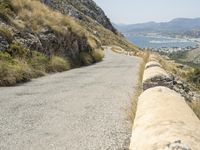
81 109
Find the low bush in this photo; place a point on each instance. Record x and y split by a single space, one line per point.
16 72
58 64
97 54
132 107
195 76
195 107
6 34
17 51
6 10
38 61
4 56
86 58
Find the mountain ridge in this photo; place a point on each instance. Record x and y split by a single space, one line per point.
177 24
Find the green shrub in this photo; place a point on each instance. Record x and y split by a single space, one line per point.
86 58
194 77
97 54
38 61
17 51
6 10
58 64
6 34
195 107
4 56
12 73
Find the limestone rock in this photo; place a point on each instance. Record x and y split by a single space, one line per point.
3 43
81 10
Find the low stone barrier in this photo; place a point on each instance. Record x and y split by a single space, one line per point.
154 75
164 122
152 64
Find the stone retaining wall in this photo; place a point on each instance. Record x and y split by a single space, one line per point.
163 120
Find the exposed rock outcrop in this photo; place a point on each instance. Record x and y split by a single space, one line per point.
82 9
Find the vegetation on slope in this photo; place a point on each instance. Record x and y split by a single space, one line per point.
93 19
26 27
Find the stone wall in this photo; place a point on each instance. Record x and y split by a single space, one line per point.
164 121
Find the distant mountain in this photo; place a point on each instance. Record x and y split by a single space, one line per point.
175 25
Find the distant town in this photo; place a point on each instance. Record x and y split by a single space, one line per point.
169 50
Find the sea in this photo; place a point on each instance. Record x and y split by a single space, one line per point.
144 41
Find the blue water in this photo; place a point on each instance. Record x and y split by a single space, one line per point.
158 42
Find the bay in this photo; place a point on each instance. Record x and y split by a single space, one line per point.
158 41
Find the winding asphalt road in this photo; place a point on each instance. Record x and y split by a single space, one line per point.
81 109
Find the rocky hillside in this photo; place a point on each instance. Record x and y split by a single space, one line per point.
93 19
82 10
45 36
36 40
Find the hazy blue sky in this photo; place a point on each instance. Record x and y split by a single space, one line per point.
137 11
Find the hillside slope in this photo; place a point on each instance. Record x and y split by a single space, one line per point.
45 36
81 10
93 19
36 40
193 56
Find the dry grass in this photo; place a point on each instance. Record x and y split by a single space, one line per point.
86 58
58 64
36 15
24 64
109 38
195 107
97 54
16 72
173 67
132 108
6 34
16 69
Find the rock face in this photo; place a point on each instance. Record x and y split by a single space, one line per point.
52 38
3 43
47 41
81 9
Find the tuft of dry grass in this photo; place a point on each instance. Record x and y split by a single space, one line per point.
58 64
173 67
86 58
132 108
14 72
97 54
6 34
195 107
36 15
